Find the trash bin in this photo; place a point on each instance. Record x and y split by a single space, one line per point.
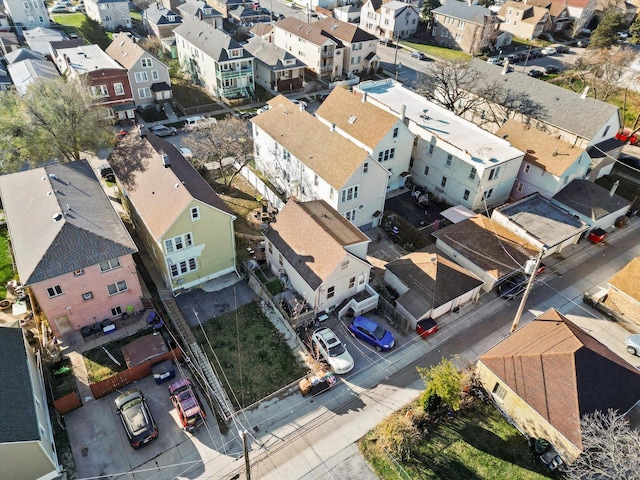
163 371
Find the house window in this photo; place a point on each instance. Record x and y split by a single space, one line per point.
79 272
115 311
118 88
431 148
519 187
154 75
487 194
331 291
54 291
493 173
110 265
178 243
118 287
499 391
350 215
195 213
449 159
395 132
144 92
606 130
184 267
527 168
352 282
146 63
99 91
443 182
365 168
280 261
87 295
141 77
315 180
270 247
331 194
472 173
349 194
344 265
426 170
465 196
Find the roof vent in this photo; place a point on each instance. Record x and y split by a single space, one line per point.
43 178
352 119
57 217
52 175
165 160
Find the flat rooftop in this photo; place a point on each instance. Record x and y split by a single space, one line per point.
484 149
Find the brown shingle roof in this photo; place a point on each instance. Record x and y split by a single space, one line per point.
563 373
160 195
487 244
125 51
362 120
542 149
312 236
347 32
331 156
308 32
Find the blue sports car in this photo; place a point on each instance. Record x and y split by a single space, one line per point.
372 333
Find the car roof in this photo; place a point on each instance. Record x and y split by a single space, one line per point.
183 382
364 322
326 334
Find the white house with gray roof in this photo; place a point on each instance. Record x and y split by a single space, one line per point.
541 223
576 118
111 14
389 20
202 11
39 39
27 446
276 69
455 160
26 15
305 158
215 60
72 250
28 71
160 21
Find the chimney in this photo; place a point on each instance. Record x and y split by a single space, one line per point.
364 97
614 188
585 92
403 113
141 131
165 160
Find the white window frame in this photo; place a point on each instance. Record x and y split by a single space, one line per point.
119 287
118 88
155 76
183 267
141 77
144 92
177 243
195 214
146 62
110 265
55 291
349 193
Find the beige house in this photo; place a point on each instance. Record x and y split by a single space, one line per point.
523 20
558 13
389 19
72 250
321 253
548 374
303 157
186 227
27 448
470 28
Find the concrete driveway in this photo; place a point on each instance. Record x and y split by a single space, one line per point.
409 210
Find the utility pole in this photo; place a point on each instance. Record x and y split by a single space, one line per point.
395 57
532 278
245 445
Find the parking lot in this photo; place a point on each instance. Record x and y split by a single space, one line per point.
100 446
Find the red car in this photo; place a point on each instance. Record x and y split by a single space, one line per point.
597 235
186 402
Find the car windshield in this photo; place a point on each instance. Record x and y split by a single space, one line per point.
379 332
336 350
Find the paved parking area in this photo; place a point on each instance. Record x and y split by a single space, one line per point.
100 446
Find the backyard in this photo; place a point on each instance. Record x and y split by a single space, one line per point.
252 353
477 443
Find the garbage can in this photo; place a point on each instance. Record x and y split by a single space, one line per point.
163 371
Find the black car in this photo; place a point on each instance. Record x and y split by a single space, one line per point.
535 53
632 162
136 418
535 73
106 172
550 69
513 58
513 286
561 48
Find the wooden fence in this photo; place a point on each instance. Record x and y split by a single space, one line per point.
119 380
69 402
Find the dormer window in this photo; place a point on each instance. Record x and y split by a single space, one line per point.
236 52
171 18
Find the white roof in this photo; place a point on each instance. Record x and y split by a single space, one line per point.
457 214
484 149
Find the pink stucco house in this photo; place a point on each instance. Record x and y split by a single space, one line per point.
70 247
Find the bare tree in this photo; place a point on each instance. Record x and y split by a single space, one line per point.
450 84
226 144
611 449
603 70
503 103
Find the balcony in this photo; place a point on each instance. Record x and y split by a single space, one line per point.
327 54
238 73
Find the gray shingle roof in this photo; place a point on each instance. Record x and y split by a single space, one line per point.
563 108
87 230
463 11
213 42
589 199
271 55
18 420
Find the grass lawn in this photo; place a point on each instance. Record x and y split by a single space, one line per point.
100 366
439 52
478 443
255 358
6 264
189 95
69 20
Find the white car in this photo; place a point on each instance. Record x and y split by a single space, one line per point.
548 51
302 104
332 350
633 344
58 9
186 153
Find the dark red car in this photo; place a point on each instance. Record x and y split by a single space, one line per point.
597 235
186 402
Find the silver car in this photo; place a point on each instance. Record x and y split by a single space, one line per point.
332 350
162 131
633 344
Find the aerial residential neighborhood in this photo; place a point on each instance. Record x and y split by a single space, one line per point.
332 239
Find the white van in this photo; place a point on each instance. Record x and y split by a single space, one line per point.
198 121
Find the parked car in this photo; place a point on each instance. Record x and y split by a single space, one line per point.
495 61
535 53
106 172
513 286
419 55
633 162
535 73
597 235
548 51
633 344
58 9
372 333
186 153
561 48
162 131
550 69
327 344
187 404
136 418
582 43
426 327
513 57
300 103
